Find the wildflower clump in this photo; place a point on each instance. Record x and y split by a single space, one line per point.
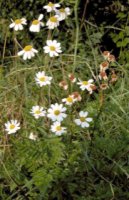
61 112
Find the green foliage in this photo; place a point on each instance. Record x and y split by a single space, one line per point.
121 36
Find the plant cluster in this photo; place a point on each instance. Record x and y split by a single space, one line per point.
64 123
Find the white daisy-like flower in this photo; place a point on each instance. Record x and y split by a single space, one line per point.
57 128
57 112
63 13
33 136
28 52
83 119
12 126
18 24
86 85
53 48
38 111
42 79
36 24
51 6
53 22
69 100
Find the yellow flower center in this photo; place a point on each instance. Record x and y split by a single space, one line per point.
18 21
56 112
28 48
53 19
58 128
52 48
82 119
37 112
51 4
62 10
85 83
35 22
69 99
42 79
12 126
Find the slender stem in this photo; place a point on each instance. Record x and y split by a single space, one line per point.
3 54
77 33
84 13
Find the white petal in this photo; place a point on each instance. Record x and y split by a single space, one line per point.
20 53
20 27
51 53
12 25
34 50
91 81
49 42
40 17
89 119
77 121
31 28
16 27
41 24
85 124
29 55
24 21
32 54
83 114
25 56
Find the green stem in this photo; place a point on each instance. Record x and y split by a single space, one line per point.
77 33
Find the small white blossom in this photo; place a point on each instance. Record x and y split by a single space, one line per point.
36 24
51 6
28 52
63 13
86 85
33 136
53 22
83 119
38 111
42 79
12 126
69 100
18 24
57 128
57 112
53 48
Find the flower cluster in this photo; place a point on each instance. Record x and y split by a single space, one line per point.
104 70
53 48
57 113
59 15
